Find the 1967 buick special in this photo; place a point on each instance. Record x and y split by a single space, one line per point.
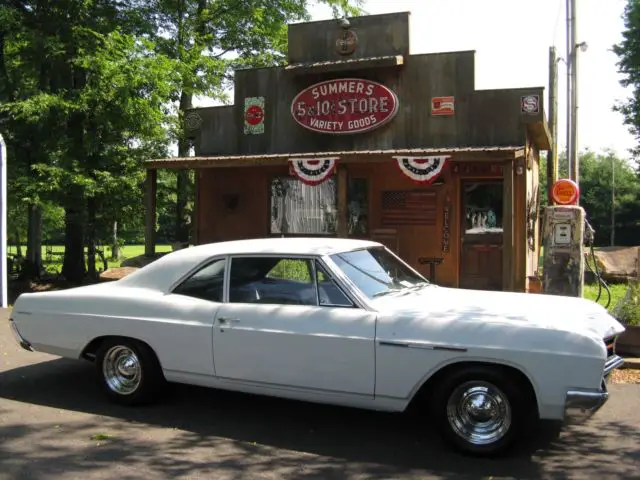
334 321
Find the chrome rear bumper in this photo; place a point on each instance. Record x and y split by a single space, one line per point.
580 405
612 363
19 338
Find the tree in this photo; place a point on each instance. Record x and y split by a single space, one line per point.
90 91
628 52
91 88
209 39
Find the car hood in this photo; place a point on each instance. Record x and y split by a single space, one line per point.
554 312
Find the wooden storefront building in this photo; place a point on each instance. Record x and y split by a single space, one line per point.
357 137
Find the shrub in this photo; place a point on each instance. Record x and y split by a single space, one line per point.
627 310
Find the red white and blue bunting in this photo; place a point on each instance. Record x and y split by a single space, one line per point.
422 169
313 171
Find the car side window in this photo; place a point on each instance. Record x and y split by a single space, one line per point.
329 293
206 284
272 280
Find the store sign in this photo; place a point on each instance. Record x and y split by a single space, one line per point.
344 106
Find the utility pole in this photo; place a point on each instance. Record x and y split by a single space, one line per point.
552 154
575 162
3 225
572 92
569 62
613 201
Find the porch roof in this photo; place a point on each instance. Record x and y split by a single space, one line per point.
503 153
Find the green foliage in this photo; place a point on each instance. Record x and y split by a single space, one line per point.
628 52
89 89
618 291
291 269
627 310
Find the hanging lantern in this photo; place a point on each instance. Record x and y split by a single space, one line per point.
313 171
422 169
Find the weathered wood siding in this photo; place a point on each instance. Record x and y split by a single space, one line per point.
217 131
378 35
249 219
490 117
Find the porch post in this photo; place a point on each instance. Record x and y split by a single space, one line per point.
343 207
195 221
507 225
150 187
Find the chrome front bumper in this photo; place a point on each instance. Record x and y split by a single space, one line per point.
19 338
580 405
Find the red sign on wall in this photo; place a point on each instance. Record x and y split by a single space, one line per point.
342 106
443 106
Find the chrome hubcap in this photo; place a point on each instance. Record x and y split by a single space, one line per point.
479 412
121 369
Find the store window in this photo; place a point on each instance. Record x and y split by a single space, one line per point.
300 209
483 207
358 204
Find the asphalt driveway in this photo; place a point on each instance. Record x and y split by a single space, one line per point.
55 424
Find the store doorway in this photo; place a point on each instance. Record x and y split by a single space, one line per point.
482 235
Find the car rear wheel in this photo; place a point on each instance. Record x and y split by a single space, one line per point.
129 370
481 410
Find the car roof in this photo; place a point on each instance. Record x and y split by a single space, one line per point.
279 245
161 274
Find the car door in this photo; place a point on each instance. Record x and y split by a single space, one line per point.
181 328
279 327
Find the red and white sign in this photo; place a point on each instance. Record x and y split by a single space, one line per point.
441 106
254 115
530 104
422 170
313 171
565 192
343 106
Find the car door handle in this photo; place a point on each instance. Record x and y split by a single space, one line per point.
226 321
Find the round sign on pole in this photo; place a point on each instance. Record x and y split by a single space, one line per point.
565 192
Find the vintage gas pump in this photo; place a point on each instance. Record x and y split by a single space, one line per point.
565 233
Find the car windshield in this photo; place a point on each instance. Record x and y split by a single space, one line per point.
377 272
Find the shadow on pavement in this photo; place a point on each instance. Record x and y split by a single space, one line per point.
220 431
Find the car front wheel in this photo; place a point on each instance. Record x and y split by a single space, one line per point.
481 410
130 371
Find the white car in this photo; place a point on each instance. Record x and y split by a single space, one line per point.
335 321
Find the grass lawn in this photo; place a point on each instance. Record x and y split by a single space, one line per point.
52 255
618 291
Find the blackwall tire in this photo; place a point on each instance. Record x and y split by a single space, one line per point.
129 371
481 410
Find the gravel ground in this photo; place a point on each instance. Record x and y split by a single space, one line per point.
626 375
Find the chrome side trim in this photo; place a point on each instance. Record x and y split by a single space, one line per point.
384 343
448 348
19 338
612 363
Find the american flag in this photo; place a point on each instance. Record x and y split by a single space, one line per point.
417 207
